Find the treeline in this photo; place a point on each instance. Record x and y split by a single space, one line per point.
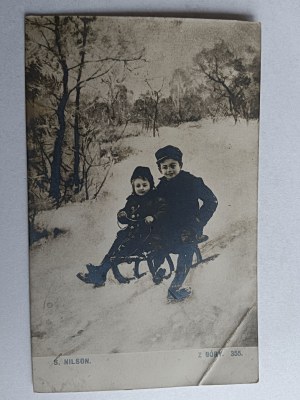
221 83
79 108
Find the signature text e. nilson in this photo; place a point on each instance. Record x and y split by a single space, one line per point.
74 361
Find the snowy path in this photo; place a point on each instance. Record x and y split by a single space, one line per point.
70 317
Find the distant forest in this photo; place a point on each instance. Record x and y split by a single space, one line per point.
74 129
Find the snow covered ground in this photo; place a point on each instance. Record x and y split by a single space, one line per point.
71 317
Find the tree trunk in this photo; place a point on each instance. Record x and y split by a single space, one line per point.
155 114
60 112
77 108
57 153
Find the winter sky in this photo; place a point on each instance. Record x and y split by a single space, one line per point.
172 43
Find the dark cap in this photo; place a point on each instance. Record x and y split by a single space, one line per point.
168 152
143 172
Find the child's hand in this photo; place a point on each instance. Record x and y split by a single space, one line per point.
149 219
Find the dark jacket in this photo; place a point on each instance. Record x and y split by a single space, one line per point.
137 208
182 194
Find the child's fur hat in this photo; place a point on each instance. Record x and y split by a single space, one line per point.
168 152
143 172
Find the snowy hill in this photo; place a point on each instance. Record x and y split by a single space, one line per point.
71 317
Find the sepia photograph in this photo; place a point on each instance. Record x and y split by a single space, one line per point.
142 152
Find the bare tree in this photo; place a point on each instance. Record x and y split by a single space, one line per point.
179 84
156 95
59 57
227 75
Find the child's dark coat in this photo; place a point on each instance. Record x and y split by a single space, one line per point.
182 194
137 208
138 234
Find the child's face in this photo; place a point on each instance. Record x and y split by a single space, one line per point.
170 168
141 186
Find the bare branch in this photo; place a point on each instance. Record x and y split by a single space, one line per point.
46 40
92 77
104 180
115 59
42 45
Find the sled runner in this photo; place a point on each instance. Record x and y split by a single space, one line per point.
158 274
136 244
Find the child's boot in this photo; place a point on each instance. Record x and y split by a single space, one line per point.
179 294
159 276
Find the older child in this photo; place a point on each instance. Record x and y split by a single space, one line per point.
143 213
185 219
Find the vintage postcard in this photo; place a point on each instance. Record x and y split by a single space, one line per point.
142 137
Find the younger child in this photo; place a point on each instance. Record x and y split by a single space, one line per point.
185 220
143 213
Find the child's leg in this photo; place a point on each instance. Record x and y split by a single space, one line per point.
158 259
124 246
117 246
97 274
155 259
184 263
